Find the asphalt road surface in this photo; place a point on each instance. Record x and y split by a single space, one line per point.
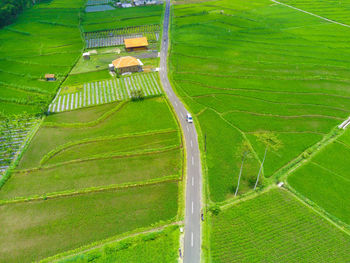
192 242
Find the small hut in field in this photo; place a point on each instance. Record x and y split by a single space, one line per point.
135 44
127 64
50 77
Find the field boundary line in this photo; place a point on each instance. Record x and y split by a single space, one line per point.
101 243
68 145
282 173
93 123
317 209
245 197
117 155
312 14
260 91
70 193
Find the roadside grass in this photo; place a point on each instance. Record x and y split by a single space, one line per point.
275 227
325 179
34 230
27 55
254 68
153 247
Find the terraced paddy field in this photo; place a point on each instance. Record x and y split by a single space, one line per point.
74 184
44 39
256 70
325 179
276 227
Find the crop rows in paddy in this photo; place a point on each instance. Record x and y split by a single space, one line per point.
278 76
99 2
98 8
106 91
118 40
13 134
116 37
276 227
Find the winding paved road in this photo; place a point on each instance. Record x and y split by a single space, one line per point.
192 242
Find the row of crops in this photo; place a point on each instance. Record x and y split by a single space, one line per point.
118 40
107 91
98 8
123 31
99 2
13 133
115 37
276 227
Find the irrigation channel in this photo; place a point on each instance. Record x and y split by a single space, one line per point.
192 240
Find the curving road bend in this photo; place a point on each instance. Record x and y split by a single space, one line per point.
192 241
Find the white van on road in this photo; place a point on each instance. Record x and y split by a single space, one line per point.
189 118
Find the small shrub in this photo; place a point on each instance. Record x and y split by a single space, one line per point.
137 95
215 210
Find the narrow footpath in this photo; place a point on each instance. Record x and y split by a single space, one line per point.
192 242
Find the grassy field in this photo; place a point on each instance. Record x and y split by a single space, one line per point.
326 178
44 39
34 230
331 9
276 227
249 70
122 17
153 247
87 155
61 157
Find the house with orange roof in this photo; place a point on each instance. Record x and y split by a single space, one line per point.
135 44
127 64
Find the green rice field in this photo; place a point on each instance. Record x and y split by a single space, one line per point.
275 227
122 17
254 69
152 247
34 230
325 179
44 39
82 169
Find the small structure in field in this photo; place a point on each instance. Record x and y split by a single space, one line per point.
111 67
93 52
135 44
126 5
50 77
127 64
86 56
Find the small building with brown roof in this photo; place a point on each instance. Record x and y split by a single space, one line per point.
50 77
127 64
134 44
